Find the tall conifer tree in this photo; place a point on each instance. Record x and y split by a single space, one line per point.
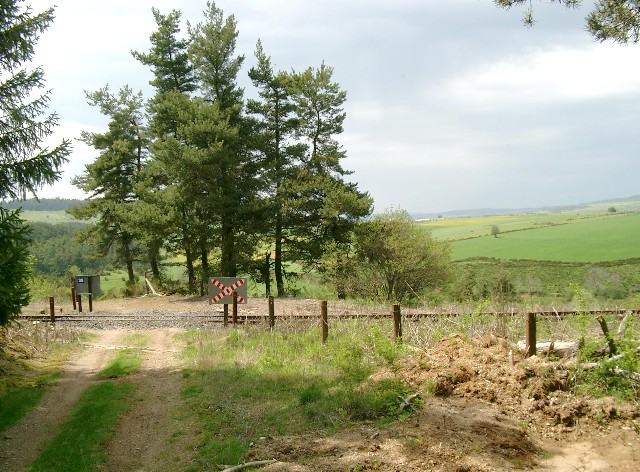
225 182
170 214
111 179
25 163
275 140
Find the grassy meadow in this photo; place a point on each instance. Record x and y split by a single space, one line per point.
52 217
605 238
548 257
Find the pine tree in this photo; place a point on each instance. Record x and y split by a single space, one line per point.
310 207
610 20
170 221
25 164
324 207
111 179
224 172
276 125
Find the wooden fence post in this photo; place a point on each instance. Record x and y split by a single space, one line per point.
79 302
324 321
531 335
90 294
234 308
397 323
272 313
52 309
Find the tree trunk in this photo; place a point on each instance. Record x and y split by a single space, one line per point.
204 259
266 274
278 256
191 273
128 261
557 348
227 256
154 258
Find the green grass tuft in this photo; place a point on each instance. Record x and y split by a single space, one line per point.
15 402
126 362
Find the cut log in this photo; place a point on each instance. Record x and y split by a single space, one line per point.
556 348
151 287
247 465
407 401
622 328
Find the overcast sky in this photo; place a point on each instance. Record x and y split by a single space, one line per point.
451 104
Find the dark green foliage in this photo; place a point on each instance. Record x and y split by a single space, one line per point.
615 20
610 20
16 265
25 164
168 57
56 249
204 179
309 207
169 218
111 179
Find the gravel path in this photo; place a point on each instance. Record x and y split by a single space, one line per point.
145 320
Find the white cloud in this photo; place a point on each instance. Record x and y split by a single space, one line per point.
558 74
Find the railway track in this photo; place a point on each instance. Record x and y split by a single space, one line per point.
207 318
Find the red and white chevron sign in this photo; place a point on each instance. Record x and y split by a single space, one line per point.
221 290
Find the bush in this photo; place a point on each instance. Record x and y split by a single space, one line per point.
394 259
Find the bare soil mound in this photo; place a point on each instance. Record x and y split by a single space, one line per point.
490 410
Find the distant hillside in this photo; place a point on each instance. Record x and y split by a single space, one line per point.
627 203
44 204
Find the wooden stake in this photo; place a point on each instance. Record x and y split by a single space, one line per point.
52 309
234 309
607 335
397 323
225 319
531 335
79 302
272 313
324 320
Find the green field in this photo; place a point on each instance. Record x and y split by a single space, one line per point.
53 217
607 238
